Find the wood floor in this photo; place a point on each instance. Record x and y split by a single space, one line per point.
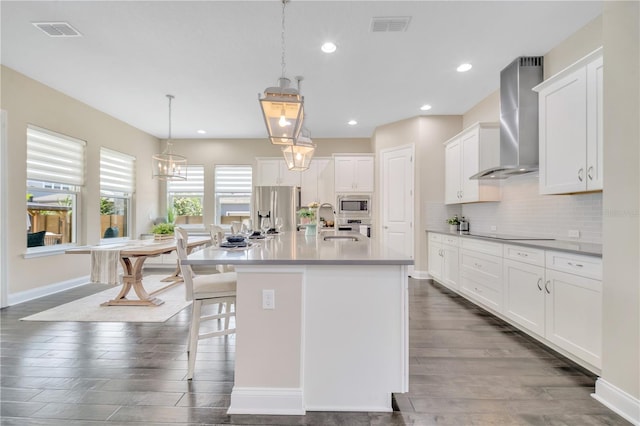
466 368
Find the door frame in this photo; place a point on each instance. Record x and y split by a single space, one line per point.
412 203
4 297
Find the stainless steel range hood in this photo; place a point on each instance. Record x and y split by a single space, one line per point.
518 119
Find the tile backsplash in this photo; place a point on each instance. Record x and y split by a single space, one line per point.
523 211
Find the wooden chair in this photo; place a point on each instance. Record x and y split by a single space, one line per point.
217 236
217 288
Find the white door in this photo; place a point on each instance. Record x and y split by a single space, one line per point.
397 199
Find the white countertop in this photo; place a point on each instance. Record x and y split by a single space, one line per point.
295 248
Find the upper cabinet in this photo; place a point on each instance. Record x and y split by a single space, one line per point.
274 172
353 173
570 114
317 182
474 149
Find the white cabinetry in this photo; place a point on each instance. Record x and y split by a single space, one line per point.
481 272
443 259
353 173
475 149
274 172
317 182
570 120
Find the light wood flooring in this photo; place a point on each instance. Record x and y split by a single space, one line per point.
466 368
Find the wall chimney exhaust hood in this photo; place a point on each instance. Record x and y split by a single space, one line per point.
518 119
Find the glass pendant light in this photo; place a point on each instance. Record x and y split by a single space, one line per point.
298 156
169 166
282 106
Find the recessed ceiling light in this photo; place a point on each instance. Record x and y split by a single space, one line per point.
202 132
425 107
352 122
329 47
464 67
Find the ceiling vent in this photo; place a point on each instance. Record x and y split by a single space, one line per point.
390 24
57 29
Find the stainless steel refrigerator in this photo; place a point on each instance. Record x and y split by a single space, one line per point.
273 202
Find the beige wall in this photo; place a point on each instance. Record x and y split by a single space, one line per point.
426 133
29 102
487 110
621 247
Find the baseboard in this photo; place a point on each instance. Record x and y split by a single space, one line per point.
420 275
618 400
365 409
281 401
35 293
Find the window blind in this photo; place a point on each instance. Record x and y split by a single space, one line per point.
117 171
194 184
233 179
56 158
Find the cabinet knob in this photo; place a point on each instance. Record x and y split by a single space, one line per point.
580 172
590 172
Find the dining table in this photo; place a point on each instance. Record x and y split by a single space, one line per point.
132 255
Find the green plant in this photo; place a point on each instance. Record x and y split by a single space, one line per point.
306 213
187 206
163 228
107 206
453 220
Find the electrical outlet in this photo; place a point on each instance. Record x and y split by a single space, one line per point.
268 299
493 227
574 233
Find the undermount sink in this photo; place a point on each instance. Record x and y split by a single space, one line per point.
340 237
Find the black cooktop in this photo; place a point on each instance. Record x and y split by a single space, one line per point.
504 236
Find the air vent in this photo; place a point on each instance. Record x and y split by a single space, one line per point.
390 24
57 29
530 61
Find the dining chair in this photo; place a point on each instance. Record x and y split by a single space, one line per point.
217 236
211 289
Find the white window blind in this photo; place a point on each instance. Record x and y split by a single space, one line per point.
117 171
54 158
194 184
233 179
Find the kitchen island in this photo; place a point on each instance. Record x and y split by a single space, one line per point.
321 324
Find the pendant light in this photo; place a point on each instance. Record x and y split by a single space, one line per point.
169 166
282 106
298 156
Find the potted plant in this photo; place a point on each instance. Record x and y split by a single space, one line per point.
163 231
453 222
306 216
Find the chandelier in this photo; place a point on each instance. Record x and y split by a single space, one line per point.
169 166
282 106
298 156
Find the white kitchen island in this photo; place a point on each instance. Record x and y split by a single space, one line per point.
336 338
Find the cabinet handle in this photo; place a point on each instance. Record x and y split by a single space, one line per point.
579 265
539 284
580 172
590 172
546 286
523 254
477 265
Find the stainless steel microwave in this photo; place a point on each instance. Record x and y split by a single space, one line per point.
353 205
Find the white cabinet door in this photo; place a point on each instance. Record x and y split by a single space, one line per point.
452 161
563 134
316 183
287 177
353 173
574 315
594 125
268 173
481 277
450 269
435 260
326 181
470 157
524 295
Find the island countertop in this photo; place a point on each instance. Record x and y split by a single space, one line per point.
296 248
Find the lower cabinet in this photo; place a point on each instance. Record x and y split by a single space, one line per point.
524 295
443 259
481 274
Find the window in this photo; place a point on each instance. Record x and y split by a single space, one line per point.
117 184
233 187
55 176
185 198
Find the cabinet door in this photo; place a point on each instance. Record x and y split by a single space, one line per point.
594 122
481 277
452 161
450 266
435 260
326 182
268 173
344 174
574 315
287 177
309 184
469 166
364 174
563 135
524 295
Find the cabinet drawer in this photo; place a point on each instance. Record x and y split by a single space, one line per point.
487 296
482 268
450 240
584 266
487 247
524 254
436 238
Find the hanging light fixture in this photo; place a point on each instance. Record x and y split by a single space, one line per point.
282 106
298 156
169 166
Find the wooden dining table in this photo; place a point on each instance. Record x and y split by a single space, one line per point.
133 254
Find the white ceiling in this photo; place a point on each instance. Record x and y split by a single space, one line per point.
216 56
